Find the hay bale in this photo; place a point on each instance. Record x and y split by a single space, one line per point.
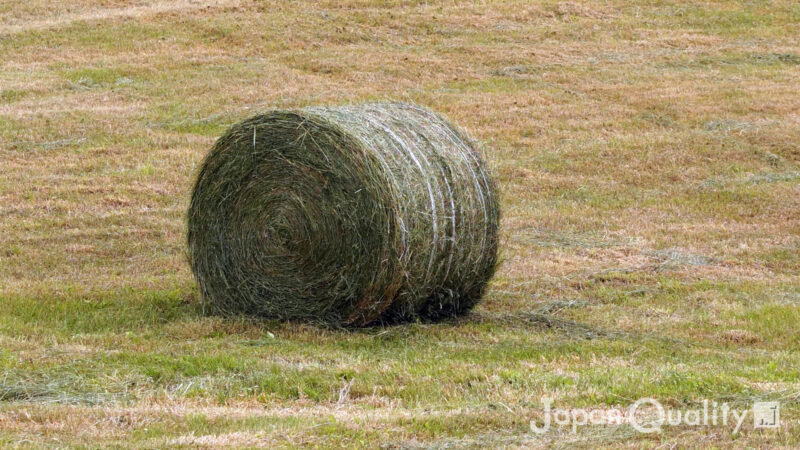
344 215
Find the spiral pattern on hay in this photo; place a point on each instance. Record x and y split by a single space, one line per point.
345 215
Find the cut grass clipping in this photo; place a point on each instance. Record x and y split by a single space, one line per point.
344 215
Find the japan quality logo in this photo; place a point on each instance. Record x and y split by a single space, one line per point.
766 414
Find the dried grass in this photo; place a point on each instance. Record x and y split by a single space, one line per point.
344 215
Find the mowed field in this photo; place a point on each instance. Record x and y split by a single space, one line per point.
648 155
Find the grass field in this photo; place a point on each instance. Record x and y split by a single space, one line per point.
649 159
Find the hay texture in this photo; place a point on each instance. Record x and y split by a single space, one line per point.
345 215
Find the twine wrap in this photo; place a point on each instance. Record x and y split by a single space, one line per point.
345 215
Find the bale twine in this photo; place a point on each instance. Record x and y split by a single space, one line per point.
346 215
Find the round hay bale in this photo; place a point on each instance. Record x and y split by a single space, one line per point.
345 215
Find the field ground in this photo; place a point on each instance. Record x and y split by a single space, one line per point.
649 159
